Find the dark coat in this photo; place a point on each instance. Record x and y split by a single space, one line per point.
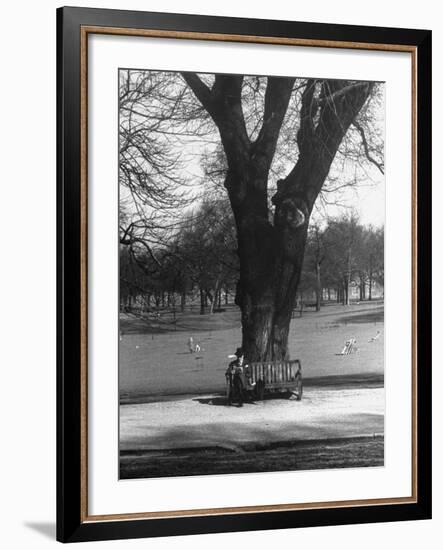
235 376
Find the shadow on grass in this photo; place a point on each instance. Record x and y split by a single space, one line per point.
353 452
368 317
216 401
183 322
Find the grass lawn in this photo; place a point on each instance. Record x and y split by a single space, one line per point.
155 360
303 455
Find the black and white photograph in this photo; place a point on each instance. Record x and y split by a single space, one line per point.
251 273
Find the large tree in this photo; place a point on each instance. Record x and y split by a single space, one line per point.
271 240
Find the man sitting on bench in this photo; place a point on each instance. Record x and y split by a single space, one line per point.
235 378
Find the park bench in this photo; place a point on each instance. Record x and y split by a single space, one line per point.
274 376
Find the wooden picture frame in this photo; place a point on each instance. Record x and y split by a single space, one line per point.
74 25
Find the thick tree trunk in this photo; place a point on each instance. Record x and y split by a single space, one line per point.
318 287
214 297
343 293
347 280
265 324
346 285
211 302
362 287
202 302
271 259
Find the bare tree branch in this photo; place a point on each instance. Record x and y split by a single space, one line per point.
361 131
278 93
199 88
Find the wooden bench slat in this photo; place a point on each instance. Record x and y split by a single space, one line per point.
275 373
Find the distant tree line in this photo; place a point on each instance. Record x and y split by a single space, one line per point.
341 255
199 265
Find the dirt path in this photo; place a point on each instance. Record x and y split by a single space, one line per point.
206 422
201 435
